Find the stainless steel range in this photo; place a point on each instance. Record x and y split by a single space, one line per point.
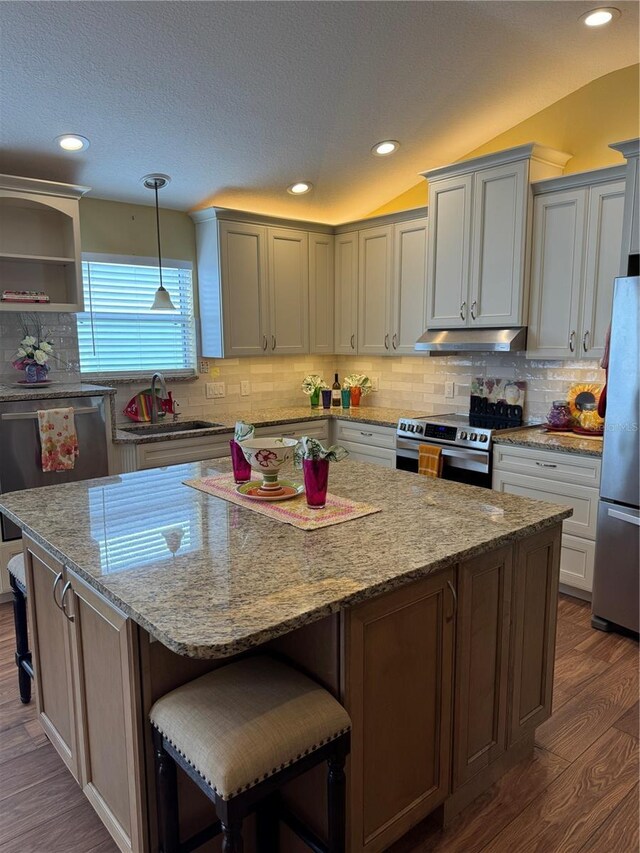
465 442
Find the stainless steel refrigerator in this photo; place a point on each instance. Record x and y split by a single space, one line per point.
615 583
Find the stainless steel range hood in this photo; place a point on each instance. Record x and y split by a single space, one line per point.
450 341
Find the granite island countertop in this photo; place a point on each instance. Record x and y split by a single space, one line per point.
377 415
57 390
208 578
538 438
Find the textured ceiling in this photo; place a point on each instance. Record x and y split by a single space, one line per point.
235 100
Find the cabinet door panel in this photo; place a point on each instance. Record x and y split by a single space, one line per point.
243 259
346 287
51 649
577 560
449 252
498 252
289 291
409 285
559 222
482 662
534 607
105 661
374 290
321 293
399 659
604 238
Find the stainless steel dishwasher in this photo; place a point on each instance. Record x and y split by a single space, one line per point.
20 452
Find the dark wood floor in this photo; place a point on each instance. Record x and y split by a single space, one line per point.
579 792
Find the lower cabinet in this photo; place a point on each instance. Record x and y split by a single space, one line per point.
367 442
86 663
399 665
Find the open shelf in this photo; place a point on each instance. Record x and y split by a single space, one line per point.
36 259
28 307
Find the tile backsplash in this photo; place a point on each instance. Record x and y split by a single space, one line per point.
62 331
414 382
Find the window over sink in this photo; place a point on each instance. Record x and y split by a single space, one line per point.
119 334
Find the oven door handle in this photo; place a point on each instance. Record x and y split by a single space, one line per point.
29 416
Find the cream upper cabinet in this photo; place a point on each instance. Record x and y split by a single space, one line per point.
559 221
409 285
375 277
346 293
321 293
498 246
604 237
577 233
288 253
630 244
479 220
449 252
243 268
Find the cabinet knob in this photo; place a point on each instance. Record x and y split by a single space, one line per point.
386 341
463 311
585 341
572 341
473 309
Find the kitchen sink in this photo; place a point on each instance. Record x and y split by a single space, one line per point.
178 426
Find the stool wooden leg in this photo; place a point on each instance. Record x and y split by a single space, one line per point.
232 835
166 798
22 641
267 825
336 788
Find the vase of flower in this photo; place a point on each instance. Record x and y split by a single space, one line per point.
314 460
360 386
356 393
312 385
34 352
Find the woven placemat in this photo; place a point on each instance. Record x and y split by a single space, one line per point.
294 511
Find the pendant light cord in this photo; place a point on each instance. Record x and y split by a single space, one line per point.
155 188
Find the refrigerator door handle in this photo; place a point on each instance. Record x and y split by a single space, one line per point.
624 516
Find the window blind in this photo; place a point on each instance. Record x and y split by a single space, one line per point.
120 334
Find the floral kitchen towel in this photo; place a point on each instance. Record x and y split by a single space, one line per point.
58 439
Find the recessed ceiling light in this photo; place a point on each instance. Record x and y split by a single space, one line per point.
382 149
72 142
300 187
599 17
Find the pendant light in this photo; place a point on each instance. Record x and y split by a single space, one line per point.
162 301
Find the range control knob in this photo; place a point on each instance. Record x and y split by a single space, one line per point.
411 427
463 434
473 436
419 428
403 425
484 437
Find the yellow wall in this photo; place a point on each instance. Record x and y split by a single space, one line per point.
582 124
112 227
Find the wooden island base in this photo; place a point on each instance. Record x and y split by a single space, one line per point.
446 679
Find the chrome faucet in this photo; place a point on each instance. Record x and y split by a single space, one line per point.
157 377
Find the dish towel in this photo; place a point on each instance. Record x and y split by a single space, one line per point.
429 460
58 439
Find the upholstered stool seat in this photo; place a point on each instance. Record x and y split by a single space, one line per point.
15 567
17 579
241 731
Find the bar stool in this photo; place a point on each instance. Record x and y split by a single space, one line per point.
240 732
15 567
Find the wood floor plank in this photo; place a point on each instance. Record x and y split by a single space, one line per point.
14 713
593 709
474 828
20 740
619 832
570 634
629 722
42 802
20 773
79 832
574 609
609 647
573 670
578 802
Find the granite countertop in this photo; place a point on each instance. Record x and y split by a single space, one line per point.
540 439
208 578
10 393
377 415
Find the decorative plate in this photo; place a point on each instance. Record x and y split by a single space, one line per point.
588 433
550 428
582 393
289 490
22 383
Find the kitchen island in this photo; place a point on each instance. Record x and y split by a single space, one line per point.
432 620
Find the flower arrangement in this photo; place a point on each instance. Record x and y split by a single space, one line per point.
34 352
358 380
313 384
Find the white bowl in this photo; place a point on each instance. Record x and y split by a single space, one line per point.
268 455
